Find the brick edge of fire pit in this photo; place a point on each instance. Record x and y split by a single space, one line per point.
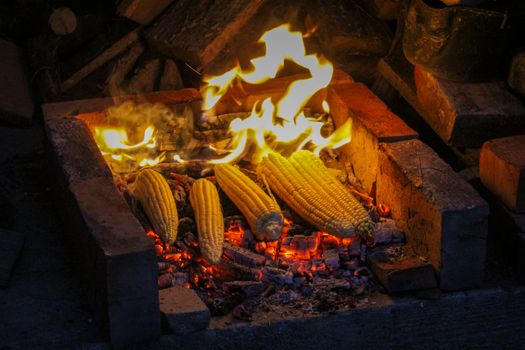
115 258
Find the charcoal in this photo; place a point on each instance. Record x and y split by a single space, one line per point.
180 278
299 281
352 264
165 280
186 224
248 239
277 276
287 296
231 271
241 313
249 288
331 258
386 231
242 256
354 249
162 266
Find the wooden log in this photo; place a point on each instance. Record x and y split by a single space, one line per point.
502 170
242 256
467 114
516 77
196 32
62 21
145 78
171 78
232 271
16 102
142 11
111 52
345 30
121 68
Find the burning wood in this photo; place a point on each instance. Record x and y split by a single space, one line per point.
243 256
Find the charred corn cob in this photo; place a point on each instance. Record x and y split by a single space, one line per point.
155 196
260 210
206 205
307 186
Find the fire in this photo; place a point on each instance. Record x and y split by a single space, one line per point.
284 126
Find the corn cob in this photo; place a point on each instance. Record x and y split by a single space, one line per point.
206 205
260 210
153 192
307 186
310 164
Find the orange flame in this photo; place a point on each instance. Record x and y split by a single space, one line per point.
281 127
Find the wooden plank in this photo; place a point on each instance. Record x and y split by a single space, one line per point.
196 32
142 11
171 78
16 102
121 68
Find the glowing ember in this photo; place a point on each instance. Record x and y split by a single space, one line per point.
281 127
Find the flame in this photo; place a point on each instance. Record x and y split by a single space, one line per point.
281 127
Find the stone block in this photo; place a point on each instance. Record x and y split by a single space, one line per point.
444 218
75 151
467 114
183 310
11 243
16 102
502 170
372 123
116 259
403 273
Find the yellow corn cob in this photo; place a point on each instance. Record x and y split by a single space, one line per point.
153 192
308 187
206 205
310 165
260 210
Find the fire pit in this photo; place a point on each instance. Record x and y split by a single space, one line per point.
314 264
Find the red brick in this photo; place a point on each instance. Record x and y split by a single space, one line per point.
502 170
372 123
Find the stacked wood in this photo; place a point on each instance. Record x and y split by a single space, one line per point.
196 32
142 11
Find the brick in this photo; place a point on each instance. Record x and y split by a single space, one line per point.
75 151
183 310
443 217
372 123
502 170
142 11
116 259
16 102
467 114
196 32
403 273
11 243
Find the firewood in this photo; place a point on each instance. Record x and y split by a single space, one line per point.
170 79
277 276
197 31
121 68
145 78
242 256
231 271
142 11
